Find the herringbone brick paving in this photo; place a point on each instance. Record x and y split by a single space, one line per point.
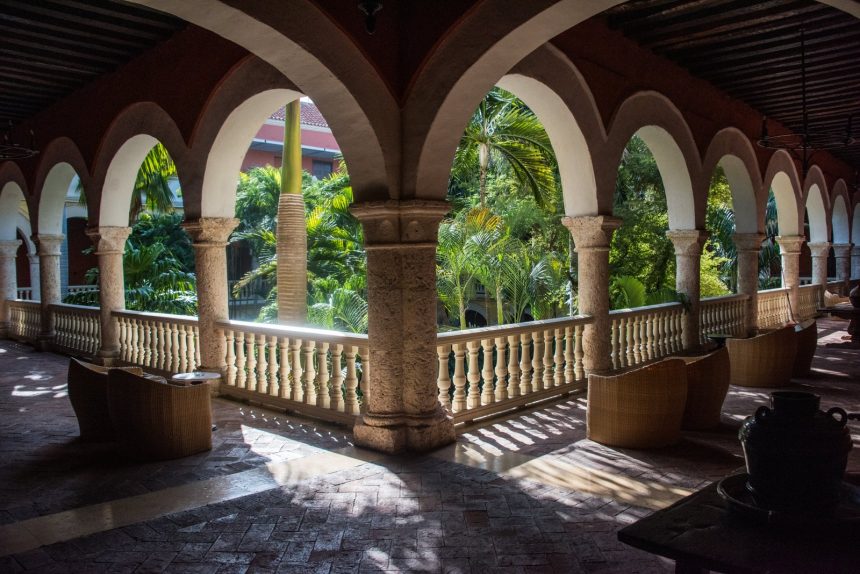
436 513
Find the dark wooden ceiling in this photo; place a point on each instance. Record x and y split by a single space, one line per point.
49 48
751 50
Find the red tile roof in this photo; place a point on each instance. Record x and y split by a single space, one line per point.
311 116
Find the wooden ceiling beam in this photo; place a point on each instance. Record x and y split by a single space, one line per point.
86 35
61 52
38 12
114 10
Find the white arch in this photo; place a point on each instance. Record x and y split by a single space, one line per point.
26 232
733 152
230 146
840 222
120 178
781 177
53 198
11 204
817 205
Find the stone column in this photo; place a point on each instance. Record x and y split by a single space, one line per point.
842 252
855 262
820 252
402 409
110 245
8 281
748 247
789 249
210 236
591 238
49 248
688 258
35 288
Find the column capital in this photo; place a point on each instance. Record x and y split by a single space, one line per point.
591 232
108 239
790 243
393 223
9 248
687 242
748 241
820 249
842 249
48 244
210 231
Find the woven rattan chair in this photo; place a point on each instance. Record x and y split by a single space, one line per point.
87 385
638 409
155 420
807 342
707 385
765 360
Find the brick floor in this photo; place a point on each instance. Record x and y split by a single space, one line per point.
452 511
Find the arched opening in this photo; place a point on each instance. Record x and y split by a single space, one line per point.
14 216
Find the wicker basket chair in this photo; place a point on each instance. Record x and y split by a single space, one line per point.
707 385
87 385
155 420
807 343
642 408
765 360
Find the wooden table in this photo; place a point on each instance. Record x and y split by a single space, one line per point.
700 534
846 311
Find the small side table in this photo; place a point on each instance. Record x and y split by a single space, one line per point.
198 378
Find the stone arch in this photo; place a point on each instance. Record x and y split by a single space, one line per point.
553 88
59 163
781 176
817 202
732 150
11 201
323 62
855 223
121 152
840 220
661 125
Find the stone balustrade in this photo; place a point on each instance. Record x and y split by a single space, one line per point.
25 320
725 314
808 301
488 370
315 372
645 333
773 308
157 341
76 328
72 289
25 293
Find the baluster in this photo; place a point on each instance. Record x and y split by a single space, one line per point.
262 365
241 361
195 335
537 362
273 366
175 355
628 332
501 369
613 338
679 330
284 381
230 359
182 347
513 366
639 338
159 334
559 357
487 395
147 343
296 375
443 379
548 372
569 359
650 348
459 402
334 391
310 373
525 364
322 375
351 381
251 357
578 353
123 342
364 353
473 395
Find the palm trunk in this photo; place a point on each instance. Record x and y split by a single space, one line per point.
292 245
484 160
500 307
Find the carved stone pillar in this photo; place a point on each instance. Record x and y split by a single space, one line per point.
402 409
688 258
48 247
35 288
842 252
748 247
789 249
210 236
110 245
820 252
855 262
591 237
8 281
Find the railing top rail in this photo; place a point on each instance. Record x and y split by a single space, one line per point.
163 317
724 298
662 307
24 303
305 333
777 291
84 309
452 337
809 287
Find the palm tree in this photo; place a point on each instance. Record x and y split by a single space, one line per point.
292 235
505 135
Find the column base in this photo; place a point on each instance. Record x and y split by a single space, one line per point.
398 433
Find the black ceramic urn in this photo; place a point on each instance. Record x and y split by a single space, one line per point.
795 453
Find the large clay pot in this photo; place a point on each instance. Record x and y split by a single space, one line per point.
795 454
